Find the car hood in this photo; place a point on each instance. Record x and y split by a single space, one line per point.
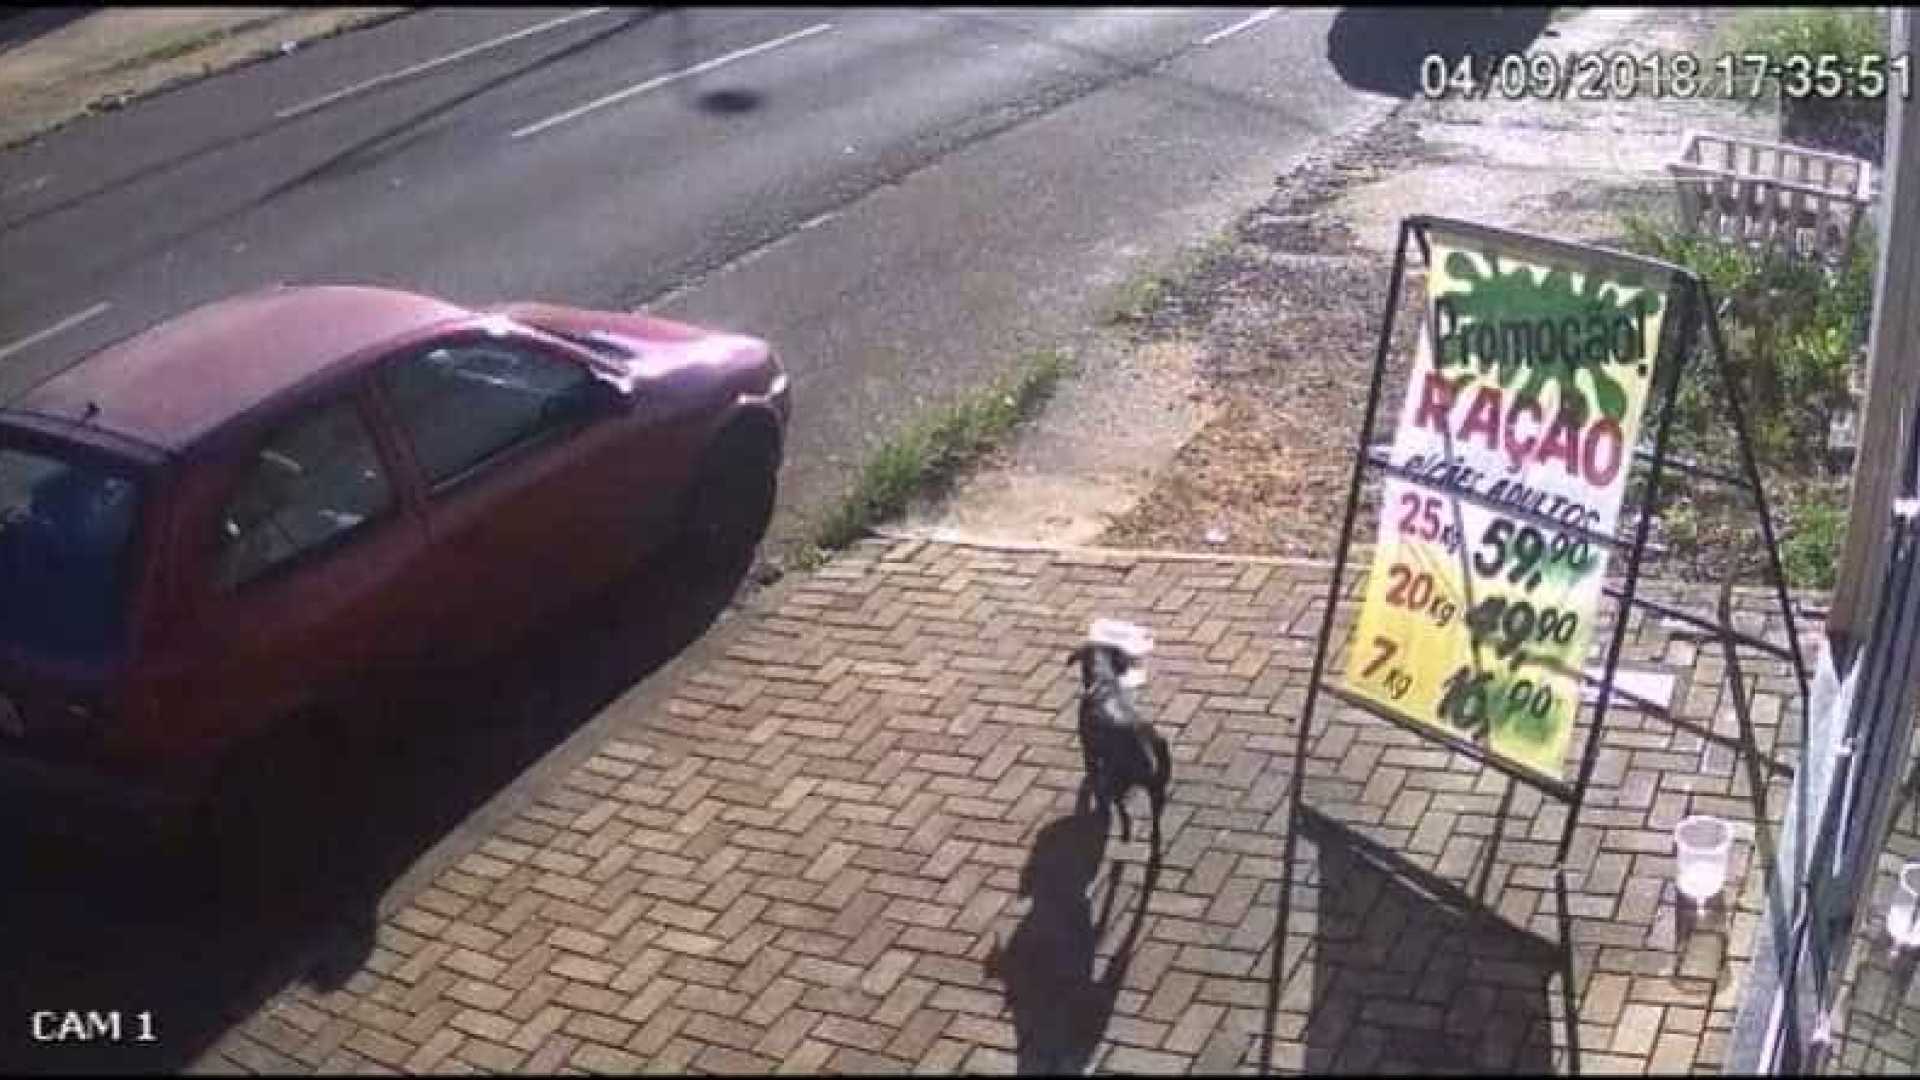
636 349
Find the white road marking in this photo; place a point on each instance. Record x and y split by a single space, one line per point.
60 327
1247 23
428 65
663 80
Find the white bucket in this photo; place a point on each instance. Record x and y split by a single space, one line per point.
1136 641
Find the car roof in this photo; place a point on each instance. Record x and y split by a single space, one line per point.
181 379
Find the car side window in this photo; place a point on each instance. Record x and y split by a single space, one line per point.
315 480
461 405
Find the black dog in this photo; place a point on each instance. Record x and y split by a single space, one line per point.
1122 750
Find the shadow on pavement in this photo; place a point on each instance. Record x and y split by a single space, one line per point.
22 25
729 102
1060 1010
720 101
1408 975
85 927
1381 49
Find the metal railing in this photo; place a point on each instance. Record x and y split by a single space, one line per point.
1806 203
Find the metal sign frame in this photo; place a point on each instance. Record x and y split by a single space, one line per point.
1689 297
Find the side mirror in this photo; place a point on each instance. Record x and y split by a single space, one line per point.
604 399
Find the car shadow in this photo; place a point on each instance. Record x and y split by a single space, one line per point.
1381 49
1060 1010
201 944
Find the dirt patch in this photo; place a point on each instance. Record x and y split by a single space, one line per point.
1290 318
1105 441
1286 321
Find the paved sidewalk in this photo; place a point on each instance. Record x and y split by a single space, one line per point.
850 845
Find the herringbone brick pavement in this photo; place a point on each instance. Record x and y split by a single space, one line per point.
850 845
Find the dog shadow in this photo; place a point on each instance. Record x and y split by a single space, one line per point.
1060 1009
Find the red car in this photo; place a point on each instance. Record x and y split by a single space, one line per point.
248 511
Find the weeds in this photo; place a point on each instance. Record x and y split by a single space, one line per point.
180 46
929 455
1832 104
1135 299
1792 335
1791 339
1810 549
1846 33
1139 296
806 558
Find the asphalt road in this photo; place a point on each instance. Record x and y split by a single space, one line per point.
903 202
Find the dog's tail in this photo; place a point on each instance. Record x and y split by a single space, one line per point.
1162 761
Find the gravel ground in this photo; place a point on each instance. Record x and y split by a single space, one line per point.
1289 316
1284 323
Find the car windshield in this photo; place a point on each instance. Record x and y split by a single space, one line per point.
65 525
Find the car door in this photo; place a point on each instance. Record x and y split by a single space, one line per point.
534 496
305 562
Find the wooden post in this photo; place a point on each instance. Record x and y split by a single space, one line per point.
1893 374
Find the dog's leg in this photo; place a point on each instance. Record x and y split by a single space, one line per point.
1158 795
1090 761
1119 800
1097 783
1162 776
1090 765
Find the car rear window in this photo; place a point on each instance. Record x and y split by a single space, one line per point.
66 524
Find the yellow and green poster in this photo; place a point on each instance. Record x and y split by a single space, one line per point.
1527 388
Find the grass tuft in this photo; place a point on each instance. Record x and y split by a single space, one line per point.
172 49
1810 550
930 454
1808 31
1141 295
1135 299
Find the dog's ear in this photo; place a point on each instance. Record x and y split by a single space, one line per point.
1076 654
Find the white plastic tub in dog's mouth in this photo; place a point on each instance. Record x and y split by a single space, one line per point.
1134 640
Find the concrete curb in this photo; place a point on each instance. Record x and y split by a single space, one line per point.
960 539
1357 560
